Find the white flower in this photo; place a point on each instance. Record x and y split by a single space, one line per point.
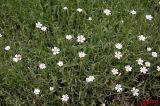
79 9
90 18
44 28
154 54
55 50
36 91
128 68
0 35
118 45
69 37
158 68
51 88
90 79
147 64
81 54
143 70
118 55
149 17
149 49
42 66
60 63
17 58
135 91
7 48
65 8
140 61
118 87
122 21
107 11
65 98
133 12
115 71
38 25
141 37
81 39
103 104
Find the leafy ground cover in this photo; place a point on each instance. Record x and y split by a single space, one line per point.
79 52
